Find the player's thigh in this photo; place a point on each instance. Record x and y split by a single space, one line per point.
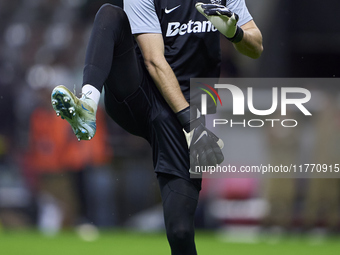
132 114
125 73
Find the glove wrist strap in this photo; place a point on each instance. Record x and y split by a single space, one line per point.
189 118
238 35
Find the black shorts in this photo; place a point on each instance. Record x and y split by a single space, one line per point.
145 113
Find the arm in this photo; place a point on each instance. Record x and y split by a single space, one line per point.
205 146
152 47
147 30
251 43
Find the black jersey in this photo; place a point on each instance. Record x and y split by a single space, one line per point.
192 43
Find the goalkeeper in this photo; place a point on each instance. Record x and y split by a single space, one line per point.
144 57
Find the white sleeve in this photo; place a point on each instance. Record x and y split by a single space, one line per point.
142 16
239 7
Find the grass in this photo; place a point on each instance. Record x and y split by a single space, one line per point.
125 242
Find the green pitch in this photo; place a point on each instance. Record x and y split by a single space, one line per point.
126 243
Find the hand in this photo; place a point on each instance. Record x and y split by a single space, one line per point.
222 18
216 10
205 147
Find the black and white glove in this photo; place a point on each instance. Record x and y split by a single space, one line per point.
223 19
205 147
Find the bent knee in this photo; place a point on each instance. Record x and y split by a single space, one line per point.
110 11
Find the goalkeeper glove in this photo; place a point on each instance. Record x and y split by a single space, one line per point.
223 19
205 147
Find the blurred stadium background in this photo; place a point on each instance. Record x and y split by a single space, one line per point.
105 191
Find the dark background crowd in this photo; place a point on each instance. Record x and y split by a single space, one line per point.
50 181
